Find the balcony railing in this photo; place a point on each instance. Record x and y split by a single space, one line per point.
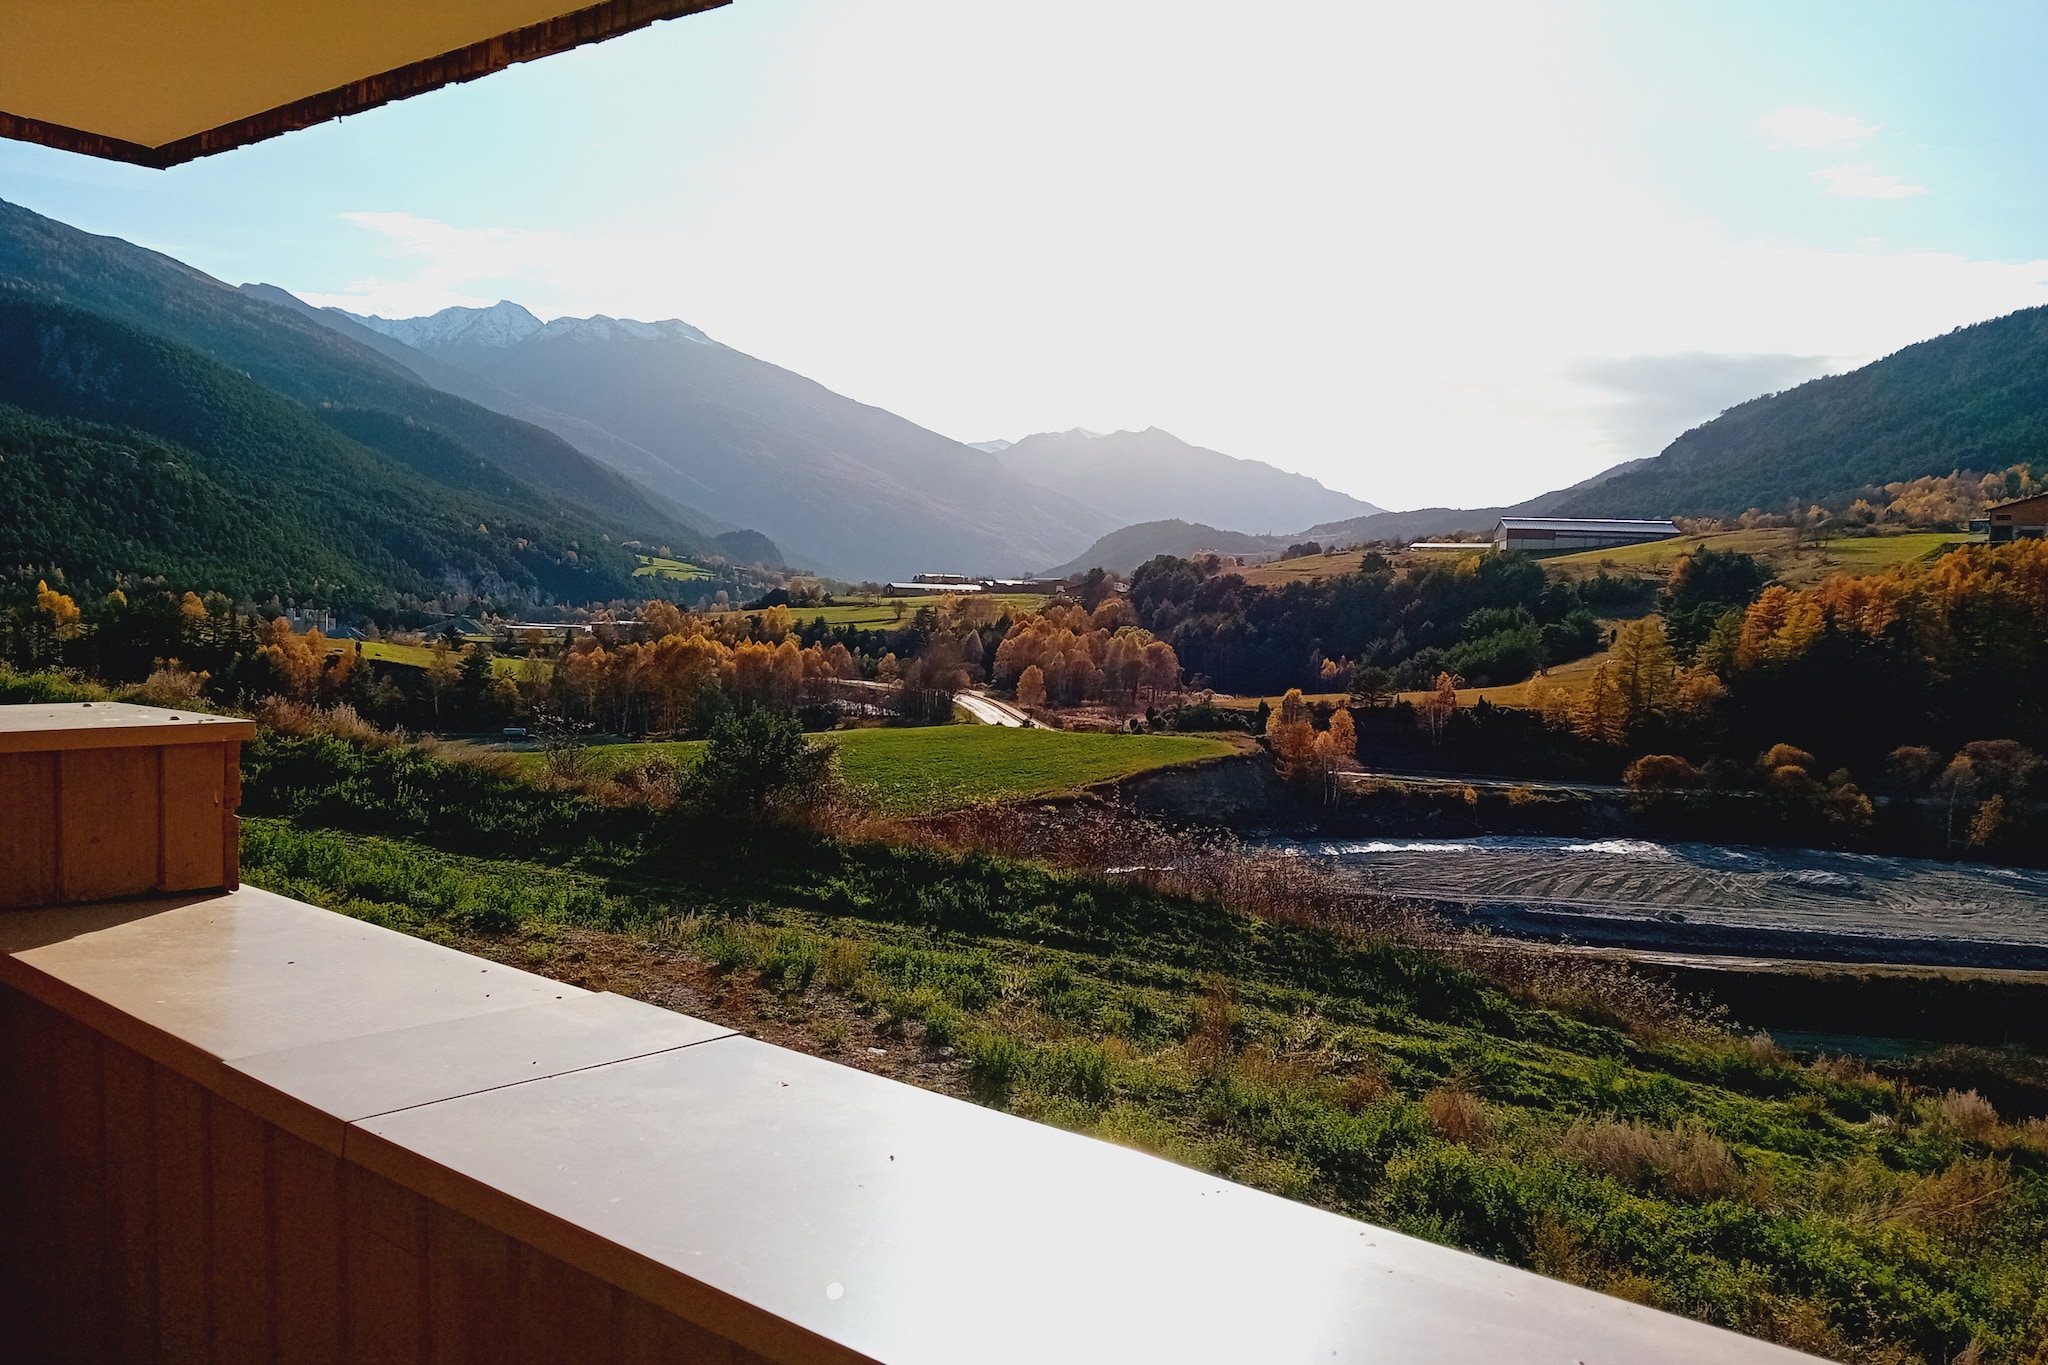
238 1127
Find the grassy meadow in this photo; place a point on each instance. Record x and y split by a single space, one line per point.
1580 1125
422 656
1304 568
660 566
1794 561
942 767
887 613
1568 677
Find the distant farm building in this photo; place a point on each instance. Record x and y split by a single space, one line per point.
2026 519
1556 535
926 584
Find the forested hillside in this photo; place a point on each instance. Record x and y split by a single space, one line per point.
222 442
1124 549
1153 475
1976 399
340 382
161 461
97 501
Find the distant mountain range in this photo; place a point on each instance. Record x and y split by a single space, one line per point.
1125 548
843 487
159 422
155 421
1153 475
1973 399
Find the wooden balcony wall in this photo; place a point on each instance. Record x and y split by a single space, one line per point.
151 1219
235 1127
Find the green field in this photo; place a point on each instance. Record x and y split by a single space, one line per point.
942 767
1867 554
422 656
885 613
658 566
1794 562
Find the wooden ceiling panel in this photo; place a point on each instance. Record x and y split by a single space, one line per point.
158 82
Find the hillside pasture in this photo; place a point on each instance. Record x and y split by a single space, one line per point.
661 566
1795 560
1301 569
422 656
887 613
1571 677
943 767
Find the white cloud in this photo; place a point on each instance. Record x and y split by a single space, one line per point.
438 260
1866 182
1796 126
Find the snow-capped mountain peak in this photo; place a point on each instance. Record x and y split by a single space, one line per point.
602 328
502 324
506 323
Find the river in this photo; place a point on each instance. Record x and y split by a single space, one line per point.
1713 899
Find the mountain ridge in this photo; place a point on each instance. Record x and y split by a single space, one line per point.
842 485
1975 398
1153 475
111 347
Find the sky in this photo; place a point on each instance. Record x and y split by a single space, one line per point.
1444 254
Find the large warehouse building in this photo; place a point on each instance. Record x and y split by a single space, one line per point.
1556 535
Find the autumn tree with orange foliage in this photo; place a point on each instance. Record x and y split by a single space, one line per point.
1291 735
1435 712
1088 657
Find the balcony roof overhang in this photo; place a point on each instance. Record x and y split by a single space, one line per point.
158 83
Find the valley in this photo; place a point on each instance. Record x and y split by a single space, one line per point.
1452 888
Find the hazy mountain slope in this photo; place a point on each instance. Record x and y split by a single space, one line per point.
337 380
1401 527
1976 398
1124 549
1153 475
1442 521
856 490
607 449
127 453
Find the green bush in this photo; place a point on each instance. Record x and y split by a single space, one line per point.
758 764
995 1061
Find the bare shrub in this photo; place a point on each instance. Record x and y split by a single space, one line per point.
655 783
1964 1115
1210 865
170 685
2031 1135
1806 1325
1687 1161
1864 1191
1661 772
298 718
1457 1114
1596 989
1262 1066
1208 1042
1846 1070
1961 1201
1366 1085
1562 1254
1761 1050
1269 884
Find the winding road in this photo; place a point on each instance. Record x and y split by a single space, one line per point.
989 711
